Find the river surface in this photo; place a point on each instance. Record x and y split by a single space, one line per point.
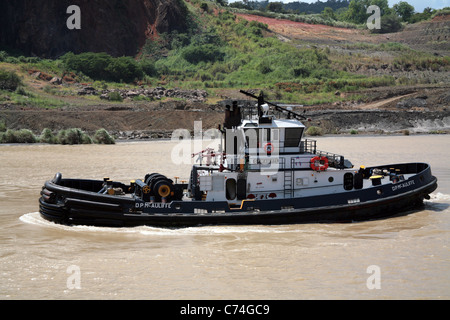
405 257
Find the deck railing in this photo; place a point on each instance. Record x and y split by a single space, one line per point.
308 146
334 160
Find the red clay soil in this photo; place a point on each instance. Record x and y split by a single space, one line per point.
300 30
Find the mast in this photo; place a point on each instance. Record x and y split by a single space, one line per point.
261 101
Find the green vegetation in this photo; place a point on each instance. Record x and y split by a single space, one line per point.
13 90
73 136
17 136
220 50
102 137
66 137
101 66
47 136
345 13
404 10
115 96
9 80
314 131
414 60
217 51
236 53
2 126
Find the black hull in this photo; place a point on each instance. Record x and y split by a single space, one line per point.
87 208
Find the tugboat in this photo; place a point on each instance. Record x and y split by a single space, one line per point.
263 173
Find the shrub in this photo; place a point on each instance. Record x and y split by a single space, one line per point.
205 53
148 67
21 91
102 137
264 67
389 23
3 126
91 64
314 131
3 55
101 66
18 136
9 80
123 69
115 96
73 136
47 136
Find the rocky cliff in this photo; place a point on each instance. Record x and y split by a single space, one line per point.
118 27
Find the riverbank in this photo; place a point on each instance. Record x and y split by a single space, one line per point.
388 110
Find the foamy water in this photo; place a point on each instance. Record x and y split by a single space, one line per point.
437 201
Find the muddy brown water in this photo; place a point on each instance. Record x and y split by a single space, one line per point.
404 257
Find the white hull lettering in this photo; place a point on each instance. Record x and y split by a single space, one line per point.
154 205
402 185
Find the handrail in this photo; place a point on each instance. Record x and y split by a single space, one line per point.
334 160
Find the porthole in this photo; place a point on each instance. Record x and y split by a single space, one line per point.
330 179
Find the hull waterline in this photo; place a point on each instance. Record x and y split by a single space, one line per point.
87 208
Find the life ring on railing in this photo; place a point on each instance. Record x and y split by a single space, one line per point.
268 148
319 163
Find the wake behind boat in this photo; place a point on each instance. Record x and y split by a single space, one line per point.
263 172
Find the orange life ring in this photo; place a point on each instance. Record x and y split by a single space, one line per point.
268 148
319 163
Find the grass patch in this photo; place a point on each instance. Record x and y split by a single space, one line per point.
415 60
27 98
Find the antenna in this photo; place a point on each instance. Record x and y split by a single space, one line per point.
262 101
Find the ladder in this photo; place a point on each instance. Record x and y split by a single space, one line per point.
288 179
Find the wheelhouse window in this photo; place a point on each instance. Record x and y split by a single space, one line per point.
292 137
256 138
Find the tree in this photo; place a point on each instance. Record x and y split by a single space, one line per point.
404 10
328 13
382 4
389 23
123 69
275 7
222 2
356 11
